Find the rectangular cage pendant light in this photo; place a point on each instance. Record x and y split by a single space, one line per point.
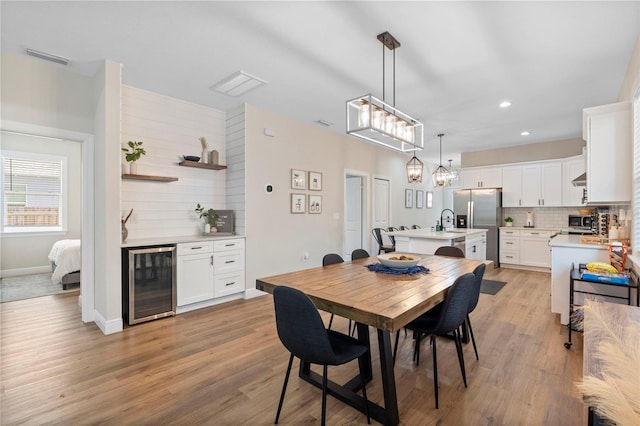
371 119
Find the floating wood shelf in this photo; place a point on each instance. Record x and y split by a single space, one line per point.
201 165
146 177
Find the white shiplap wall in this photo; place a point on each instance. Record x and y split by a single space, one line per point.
170 128
236 176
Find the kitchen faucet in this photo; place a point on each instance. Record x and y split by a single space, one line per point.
453 215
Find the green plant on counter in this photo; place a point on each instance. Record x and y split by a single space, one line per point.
134 151
508 219
209 215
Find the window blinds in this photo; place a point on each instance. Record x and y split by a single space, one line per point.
31 191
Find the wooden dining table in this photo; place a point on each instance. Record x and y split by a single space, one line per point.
386 302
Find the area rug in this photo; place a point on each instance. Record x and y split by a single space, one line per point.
29 286
491 286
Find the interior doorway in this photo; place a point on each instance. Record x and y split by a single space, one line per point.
87 214
381 208
355 212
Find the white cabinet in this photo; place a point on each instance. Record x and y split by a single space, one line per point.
509 247
209 269
525 248
228 258
541 184
534 248
475 246
486 177
194 272
571 169
512 186
608 132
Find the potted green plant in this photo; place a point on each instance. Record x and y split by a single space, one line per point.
209 216
133 152
509 220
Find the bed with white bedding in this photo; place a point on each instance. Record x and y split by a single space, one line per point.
65 258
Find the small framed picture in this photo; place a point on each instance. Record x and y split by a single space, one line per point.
298 203
315 181
408 198
298 179
429 199
315 204
419 199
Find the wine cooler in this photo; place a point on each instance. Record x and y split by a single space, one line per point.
149 283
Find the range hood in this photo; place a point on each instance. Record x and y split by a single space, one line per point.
580 180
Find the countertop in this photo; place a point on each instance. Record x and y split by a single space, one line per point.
437 235
574 241
523 228
144 242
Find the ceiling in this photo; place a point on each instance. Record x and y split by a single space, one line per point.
457 62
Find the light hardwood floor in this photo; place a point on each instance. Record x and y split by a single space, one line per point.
224 365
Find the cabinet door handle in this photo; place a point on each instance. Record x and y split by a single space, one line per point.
473 249
509 257
535 233
230 245
229 261
508 243
543 201
211 260
196 248
231 283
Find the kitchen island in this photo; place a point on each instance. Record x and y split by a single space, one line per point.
565 250
424 241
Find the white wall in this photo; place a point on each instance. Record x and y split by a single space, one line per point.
236 168
170 128
26 252
277 239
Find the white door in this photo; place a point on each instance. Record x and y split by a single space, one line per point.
381 209
353 215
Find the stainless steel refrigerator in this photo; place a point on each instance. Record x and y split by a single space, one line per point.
481 208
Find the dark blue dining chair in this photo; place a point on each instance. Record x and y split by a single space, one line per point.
473 301
445 319
331 259
302 332
449 251
359 254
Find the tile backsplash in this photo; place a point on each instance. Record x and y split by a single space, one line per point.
545 217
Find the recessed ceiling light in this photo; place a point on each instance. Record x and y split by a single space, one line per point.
525 133
47 56
238 84
505 104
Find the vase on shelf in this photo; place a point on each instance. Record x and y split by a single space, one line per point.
133 168
509 223
207 228
204 157
125 233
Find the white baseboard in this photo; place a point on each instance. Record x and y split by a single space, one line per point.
207 303
250 293
107 327
7 273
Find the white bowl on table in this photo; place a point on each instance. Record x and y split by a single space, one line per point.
399 260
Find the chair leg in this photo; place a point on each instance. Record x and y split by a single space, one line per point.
330 322
284 388
435 369
324 394
456 333
416 349
473 339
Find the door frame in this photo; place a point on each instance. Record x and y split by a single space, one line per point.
366 206
372 243
87 268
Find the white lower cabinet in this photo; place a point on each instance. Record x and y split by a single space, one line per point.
194 272
210 269
475 247
228 258
525 248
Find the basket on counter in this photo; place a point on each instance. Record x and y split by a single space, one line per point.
600 240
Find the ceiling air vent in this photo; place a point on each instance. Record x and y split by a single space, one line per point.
47 56
238 84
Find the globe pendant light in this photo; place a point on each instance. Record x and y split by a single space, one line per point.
441 175
414 170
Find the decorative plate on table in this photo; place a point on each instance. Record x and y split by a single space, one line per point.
399 260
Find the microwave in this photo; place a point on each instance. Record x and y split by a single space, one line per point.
576 221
